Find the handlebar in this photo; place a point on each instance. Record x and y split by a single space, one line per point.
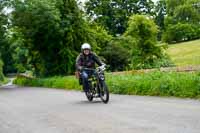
98 68
90 69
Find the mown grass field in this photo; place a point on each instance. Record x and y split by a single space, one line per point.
184 54
153 83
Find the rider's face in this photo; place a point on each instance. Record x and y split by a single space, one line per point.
86 51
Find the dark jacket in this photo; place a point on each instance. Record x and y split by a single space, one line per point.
87 61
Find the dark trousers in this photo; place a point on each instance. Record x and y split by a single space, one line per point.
85 76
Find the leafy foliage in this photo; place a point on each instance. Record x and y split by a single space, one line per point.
181 32
19 53
52 32
1 71
117 54
45 36
114 14
144 49
98 37
182 21
160 12
5 54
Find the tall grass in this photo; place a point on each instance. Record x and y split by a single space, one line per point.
5 81
157 84
68 82
153 84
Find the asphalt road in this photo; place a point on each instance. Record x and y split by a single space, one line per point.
43 110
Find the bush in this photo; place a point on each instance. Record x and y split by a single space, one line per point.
144 49
181 32
117 55
1 71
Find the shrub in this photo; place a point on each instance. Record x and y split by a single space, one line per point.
181 32
116 54
144 49
1 71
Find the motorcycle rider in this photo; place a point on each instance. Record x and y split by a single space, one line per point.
86 59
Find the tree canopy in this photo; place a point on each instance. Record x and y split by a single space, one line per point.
114 14
52 32
45 36
144 49
3 41
182 22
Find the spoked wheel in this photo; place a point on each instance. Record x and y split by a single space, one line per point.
104 92
89 95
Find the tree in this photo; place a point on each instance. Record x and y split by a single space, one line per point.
144 49
181 32
1 71
182 17
117 54
52 31
3 42
19 53
3 22
172 5
45 32
160 12
114 14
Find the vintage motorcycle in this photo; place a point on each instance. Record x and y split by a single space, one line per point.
97 85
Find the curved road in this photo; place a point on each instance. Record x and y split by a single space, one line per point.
43 110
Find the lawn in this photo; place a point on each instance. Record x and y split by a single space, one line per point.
184 54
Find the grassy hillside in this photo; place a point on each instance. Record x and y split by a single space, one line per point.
187 53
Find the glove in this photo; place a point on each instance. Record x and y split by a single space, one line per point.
103 67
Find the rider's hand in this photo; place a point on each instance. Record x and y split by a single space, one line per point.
103 66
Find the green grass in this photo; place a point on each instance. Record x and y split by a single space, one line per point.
184 54
4 82
157 84
153 84
69 82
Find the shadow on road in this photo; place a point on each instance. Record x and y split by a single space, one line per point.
10 88
87 102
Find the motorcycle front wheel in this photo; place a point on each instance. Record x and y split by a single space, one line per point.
89 93
104 92
89 96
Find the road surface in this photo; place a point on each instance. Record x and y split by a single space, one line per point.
43 110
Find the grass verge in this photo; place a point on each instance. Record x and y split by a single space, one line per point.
5 81
186 85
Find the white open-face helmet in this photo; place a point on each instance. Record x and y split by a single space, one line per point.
85 46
